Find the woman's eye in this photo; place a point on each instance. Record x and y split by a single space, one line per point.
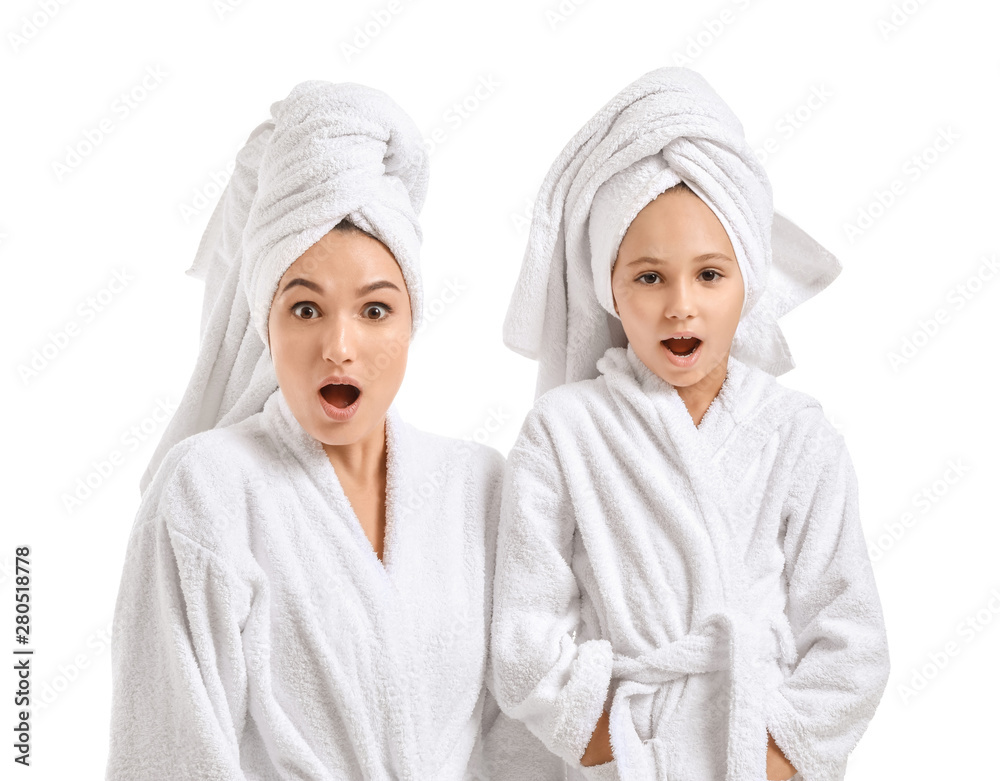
650 277
304 306
715 274
384 309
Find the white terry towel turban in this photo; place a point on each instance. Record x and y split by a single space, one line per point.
666 127
328 152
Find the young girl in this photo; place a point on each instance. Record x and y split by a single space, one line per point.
683 589
307 587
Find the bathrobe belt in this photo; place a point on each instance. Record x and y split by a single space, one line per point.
726 640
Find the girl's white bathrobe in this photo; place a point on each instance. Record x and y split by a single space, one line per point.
258 636
707 584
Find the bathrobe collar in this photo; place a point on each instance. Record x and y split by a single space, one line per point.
309 451
713 456
651 397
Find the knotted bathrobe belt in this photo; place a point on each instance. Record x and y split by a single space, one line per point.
731 640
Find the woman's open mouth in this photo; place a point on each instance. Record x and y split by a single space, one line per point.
682 351
340 400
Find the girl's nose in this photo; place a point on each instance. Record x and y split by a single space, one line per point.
679 300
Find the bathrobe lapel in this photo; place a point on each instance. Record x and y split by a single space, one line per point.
724 632
379 613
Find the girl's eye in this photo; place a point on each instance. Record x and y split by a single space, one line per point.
306 307
646 276
384 308
716 274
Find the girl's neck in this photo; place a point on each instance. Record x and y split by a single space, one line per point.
699 396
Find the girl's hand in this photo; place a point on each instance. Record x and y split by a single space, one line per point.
778 767
599 749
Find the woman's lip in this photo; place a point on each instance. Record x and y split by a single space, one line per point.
682 361
339 379
337 413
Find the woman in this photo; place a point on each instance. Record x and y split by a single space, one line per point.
679 532
308 579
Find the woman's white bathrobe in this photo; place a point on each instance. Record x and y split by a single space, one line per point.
708 584
258 636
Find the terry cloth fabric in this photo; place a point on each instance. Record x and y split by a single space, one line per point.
667 126
328 152
257 635
706 584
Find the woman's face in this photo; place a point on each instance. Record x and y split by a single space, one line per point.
339 330
676 273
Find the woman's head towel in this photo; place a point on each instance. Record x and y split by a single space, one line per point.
328 152
667 126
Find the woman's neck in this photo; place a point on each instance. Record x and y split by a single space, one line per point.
362 462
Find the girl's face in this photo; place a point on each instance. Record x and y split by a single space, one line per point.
339 331
676 274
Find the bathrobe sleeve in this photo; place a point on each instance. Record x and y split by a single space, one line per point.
179 679
818 714
512 752
543 677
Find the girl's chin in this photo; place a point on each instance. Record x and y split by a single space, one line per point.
668 370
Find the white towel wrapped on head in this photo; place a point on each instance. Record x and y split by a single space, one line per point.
667 126
328 152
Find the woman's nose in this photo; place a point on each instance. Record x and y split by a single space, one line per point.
339 340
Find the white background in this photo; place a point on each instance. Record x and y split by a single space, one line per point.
891 91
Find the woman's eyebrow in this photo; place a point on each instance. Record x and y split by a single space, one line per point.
361 291
305 283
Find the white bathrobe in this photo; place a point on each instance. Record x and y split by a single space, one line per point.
258 636
706 584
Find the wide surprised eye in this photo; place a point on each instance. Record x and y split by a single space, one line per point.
376 306
307 308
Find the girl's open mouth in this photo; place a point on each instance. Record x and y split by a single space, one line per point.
340 402
682 351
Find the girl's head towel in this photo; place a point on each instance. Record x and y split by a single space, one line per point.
328 152
666 127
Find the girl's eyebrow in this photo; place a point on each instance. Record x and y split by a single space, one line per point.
699 259
364 290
